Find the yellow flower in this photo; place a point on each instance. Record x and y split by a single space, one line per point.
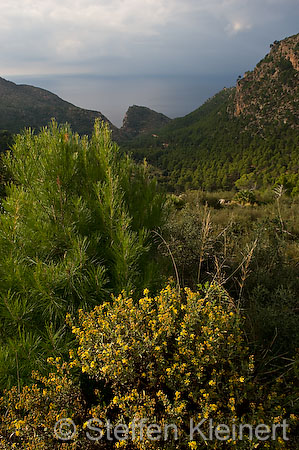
177 395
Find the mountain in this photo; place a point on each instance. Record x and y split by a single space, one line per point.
140 120
245 136
27 106
270 93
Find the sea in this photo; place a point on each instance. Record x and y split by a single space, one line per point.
172 95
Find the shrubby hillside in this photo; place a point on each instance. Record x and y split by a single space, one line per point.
130 305
28 106
245 136
121 302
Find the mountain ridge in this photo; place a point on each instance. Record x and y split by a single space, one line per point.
25 106
243 137
275 85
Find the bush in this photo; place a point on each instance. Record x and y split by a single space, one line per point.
76 225
245 197
167 359
253 251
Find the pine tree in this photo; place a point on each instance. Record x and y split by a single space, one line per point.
75 227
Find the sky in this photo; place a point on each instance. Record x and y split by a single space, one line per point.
170 55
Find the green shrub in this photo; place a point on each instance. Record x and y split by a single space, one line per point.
76 226
245 197
167 359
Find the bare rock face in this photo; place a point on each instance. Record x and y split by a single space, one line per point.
270 93
288 50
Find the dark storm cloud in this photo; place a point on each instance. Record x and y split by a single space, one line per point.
139 36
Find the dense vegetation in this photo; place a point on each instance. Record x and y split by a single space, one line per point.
212 150
243 138
140 120
29 106
80 222
251 249
74 227
122 303
6 141
165 359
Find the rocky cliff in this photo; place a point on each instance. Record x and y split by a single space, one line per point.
270 93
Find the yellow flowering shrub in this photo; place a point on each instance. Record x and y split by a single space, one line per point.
165 360
170 359
28 418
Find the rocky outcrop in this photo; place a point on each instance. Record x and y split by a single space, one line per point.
140 120
289 49
270 92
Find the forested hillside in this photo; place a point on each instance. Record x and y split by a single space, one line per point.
242 137
130 304
140 120
28 106
124 308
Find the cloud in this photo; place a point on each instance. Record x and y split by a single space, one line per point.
237 26
131 36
